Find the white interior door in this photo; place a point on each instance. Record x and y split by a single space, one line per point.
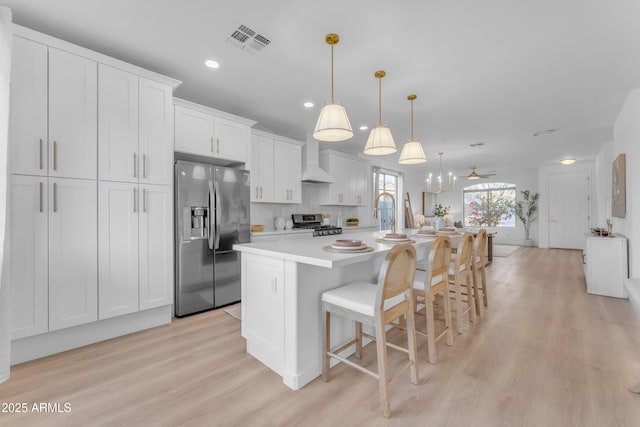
568 209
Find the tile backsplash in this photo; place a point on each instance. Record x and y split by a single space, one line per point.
265 213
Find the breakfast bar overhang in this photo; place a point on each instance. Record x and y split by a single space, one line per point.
282 282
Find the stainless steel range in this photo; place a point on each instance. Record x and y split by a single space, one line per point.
314 222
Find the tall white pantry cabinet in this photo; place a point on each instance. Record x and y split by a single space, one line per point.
91 149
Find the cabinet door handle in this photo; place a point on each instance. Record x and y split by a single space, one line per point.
55 197
144 165
55 155
135 165
256 191
144 200
260 192
41 201
41 165
135 201
212 144
217 145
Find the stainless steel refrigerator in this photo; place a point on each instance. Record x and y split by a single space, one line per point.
212 214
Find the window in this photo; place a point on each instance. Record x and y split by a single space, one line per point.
386 181
490 205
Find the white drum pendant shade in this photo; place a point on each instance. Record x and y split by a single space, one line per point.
380 142
333 124
412 153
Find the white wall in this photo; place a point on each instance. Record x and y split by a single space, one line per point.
524 179
602 197
627 140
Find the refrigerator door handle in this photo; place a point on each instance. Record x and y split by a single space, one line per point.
211 210
217 220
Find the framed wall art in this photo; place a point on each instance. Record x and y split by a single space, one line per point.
618 187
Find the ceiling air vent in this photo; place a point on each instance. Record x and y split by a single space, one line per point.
248 40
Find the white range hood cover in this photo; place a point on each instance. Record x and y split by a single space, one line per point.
311 171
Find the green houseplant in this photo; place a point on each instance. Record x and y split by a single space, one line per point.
526 211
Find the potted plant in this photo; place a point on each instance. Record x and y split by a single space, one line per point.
440 211
526 211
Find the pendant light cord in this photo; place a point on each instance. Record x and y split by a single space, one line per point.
332 74
412 119
379 101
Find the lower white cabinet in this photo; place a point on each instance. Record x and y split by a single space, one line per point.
73 257
29 256
136 247
606 265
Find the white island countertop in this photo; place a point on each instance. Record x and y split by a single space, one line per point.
310 250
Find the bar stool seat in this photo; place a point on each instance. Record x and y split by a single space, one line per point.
376 306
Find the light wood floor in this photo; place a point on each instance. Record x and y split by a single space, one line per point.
545 354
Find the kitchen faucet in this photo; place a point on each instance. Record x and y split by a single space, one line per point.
393 209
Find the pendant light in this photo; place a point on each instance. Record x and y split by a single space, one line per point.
412 152
380 141
333 124
451 183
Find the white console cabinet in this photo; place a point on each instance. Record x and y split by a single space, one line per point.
606 265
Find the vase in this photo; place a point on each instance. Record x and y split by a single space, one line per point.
440 222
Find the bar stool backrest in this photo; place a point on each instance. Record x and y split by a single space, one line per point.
396 274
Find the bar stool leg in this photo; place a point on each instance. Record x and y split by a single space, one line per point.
359 338
383 381
326 346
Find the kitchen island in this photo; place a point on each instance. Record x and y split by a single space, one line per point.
282 283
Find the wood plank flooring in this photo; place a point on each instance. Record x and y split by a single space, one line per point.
545 353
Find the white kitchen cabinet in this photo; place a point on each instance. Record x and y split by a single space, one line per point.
28 130
276 169
73 252
136 247
203 131
155 137
118 207
606 265
351 180
155 239
135 139
263 298
287 180
29 256
117 124
262 169
73 115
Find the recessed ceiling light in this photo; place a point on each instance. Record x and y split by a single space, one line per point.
567 161
364 127
308 104
211 63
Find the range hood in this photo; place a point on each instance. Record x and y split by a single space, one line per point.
311 171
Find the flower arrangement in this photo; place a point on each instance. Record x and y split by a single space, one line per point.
440 210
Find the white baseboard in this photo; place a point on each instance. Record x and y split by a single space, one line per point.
37 346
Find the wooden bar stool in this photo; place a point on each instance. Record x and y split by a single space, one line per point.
460 276
435 283
477 266
377 306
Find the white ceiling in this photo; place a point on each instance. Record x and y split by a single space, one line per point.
491 71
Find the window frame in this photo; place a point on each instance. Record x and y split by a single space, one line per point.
504 186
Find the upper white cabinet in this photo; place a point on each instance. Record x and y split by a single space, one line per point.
276 169
155 133
135 128
351 180
207 132
28 130
73 115
53 112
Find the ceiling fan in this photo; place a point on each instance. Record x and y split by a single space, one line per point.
476 175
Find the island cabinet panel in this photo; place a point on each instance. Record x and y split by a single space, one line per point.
263 308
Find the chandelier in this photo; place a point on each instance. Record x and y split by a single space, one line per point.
440 186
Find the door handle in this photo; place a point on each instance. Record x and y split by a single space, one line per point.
261 192
144 165
256 191
144 200
135 201
41 165
212 144
55 155
55 197
41 201
135 165
217 145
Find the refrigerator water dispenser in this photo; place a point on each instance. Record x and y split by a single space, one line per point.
196 220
